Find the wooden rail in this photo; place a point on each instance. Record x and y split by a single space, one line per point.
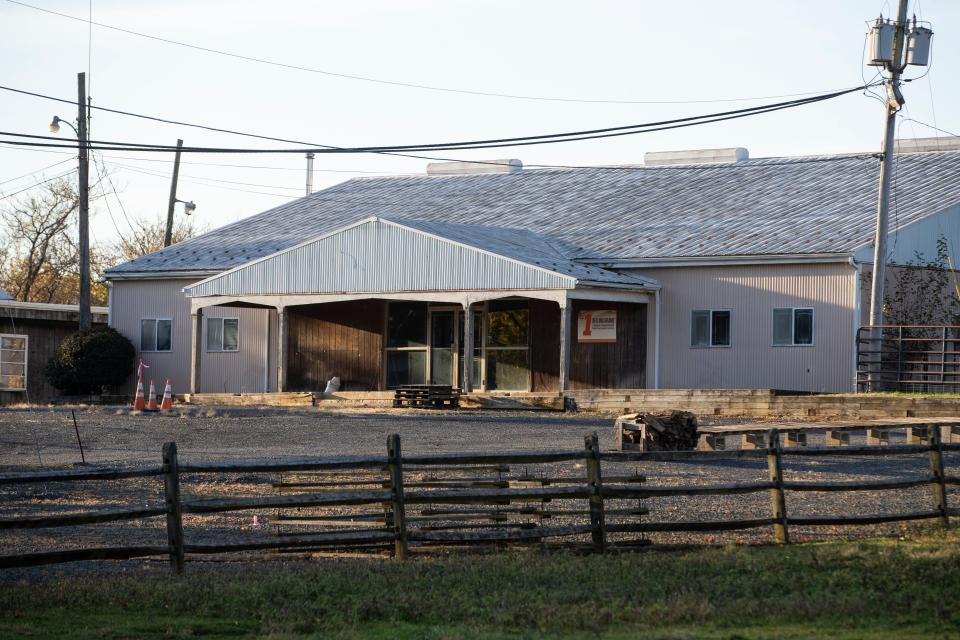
392 527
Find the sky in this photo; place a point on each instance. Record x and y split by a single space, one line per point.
667 59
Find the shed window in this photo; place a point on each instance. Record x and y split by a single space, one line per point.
792 327
223 334
710 328
13 362
156 334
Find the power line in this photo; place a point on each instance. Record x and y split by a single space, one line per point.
62 175
220 164
570 136
116 195
215 186
245 184
395 83
37 171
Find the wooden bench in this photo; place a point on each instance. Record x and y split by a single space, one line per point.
427 396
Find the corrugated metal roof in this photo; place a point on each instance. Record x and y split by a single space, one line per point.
823 204
381 255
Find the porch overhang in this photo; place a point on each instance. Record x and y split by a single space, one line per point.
463 298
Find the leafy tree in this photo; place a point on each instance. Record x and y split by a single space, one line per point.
90 360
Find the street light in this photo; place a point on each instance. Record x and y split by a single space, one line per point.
188 206
83 180
55 125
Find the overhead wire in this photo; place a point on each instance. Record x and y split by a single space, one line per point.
246 184
42 182
570 136
381 81
32 173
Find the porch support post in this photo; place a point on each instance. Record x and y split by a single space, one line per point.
566 309
283 339
196 348
467 346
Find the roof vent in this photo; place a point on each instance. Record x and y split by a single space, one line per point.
920 145
469 168
695 156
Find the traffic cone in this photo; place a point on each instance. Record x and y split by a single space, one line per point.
152 398
167 403
138 404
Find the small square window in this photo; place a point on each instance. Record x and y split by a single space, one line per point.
710 328
792 327
223 334
156 334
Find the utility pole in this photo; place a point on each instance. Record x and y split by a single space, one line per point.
168 234
84 188
894 103
309 173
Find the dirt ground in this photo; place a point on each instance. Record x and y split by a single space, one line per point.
46 438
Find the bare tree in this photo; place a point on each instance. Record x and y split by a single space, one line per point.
146 236
38 251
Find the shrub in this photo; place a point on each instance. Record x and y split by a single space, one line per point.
90 360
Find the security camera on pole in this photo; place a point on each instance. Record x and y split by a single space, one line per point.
892 45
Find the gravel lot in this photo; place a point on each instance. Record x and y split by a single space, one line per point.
113 436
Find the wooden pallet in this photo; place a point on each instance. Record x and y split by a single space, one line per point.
427 396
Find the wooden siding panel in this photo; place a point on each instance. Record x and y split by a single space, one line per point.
43 338
619 365
544 345
342 339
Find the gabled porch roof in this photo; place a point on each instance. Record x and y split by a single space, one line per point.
383 256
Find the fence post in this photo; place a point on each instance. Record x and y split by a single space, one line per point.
599 532
777 500
171 487
936 467
399 518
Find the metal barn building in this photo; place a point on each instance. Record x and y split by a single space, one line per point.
695 270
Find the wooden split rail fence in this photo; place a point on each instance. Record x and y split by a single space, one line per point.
395 498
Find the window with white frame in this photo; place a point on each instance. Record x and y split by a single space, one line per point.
792 326
223 334
156 334
13 362
710 328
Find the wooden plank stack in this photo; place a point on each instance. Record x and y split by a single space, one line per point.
427 396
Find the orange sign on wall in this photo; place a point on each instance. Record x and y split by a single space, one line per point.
597 326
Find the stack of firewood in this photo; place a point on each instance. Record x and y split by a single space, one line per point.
674 431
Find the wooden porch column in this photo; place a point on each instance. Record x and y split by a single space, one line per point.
196 348
467 347
566 309
283 340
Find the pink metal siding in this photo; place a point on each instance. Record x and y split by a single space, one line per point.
234 372
751 293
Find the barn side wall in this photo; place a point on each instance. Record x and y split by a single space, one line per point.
751 292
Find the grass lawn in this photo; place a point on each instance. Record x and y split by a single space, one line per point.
885 588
